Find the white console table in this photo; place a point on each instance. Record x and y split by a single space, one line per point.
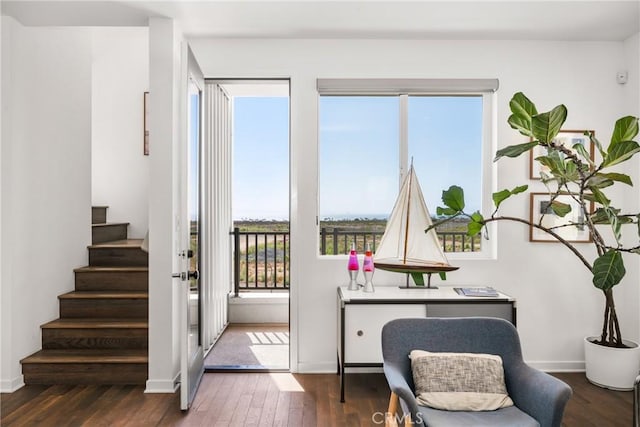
361 317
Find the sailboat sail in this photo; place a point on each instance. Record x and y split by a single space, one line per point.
404 246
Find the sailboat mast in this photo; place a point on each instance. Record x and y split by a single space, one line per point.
406 229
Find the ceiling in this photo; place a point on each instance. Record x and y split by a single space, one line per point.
606 20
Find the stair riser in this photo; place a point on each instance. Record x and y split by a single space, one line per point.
98 215
108 233
104 308
112 281
85 373
94 338
118 257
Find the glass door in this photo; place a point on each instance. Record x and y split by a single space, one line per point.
192 357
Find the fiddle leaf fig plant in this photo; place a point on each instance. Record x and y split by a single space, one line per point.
569 171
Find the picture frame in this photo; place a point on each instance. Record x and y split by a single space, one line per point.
146 124
539 208
566 137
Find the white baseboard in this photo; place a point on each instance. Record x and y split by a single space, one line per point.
316 368
163 386
575 366
9 386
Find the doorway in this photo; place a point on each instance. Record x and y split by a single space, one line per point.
256 337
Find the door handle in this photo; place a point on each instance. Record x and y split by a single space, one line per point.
193 275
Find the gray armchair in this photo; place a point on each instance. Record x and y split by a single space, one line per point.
539 399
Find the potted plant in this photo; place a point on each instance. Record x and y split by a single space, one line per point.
571 172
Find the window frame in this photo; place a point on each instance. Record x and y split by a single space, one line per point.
404 88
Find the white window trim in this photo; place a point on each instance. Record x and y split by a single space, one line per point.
403 88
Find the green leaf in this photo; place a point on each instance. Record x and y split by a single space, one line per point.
602 180
520 124
523 110
546 161
599 217
443 275
599 181
477 217
445 211
473 228
560 209
582 152
625 129
514 150
501 196
571 171
597 143
522 106
454 198
546 126
608 270
620 152
520 189
619 177
599 196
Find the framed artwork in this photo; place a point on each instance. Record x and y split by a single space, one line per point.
541 213
146 124
568 138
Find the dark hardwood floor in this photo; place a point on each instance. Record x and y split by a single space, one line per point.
250 399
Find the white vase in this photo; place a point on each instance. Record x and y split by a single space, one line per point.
611 367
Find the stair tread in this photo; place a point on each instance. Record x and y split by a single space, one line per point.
107 224
87 323
104 294
126 243
96 268
89 356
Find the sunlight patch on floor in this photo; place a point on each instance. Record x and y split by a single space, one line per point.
286 382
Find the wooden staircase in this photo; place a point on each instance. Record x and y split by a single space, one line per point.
101 336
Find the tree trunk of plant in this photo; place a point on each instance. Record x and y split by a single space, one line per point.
610 336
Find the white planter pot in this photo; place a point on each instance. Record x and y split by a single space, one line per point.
610 367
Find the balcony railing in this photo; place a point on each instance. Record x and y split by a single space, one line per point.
261 258
337 241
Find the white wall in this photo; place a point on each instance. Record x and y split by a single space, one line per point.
164 228
120 171
557 305
46 180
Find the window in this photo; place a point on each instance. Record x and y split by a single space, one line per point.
368 136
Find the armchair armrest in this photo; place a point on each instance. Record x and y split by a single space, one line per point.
539 394
398 384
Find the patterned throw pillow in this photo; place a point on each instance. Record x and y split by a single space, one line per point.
459 381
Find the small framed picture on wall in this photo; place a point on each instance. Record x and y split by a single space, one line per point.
570 227
568 138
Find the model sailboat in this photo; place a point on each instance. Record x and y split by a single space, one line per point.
405 247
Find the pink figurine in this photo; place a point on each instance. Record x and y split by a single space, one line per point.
368 268
353 268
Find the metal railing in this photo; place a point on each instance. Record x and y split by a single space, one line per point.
337 241
261 258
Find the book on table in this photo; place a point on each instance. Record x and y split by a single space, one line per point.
477 292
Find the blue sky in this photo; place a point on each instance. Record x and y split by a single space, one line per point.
358 153
261 158
359 148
